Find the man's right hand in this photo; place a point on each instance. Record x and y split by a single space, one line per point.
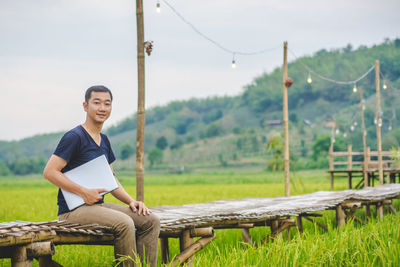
91 196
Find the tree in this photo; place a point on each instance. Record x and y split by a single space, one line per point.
276 146
4 170
213 130
127 150
155 157
178 143
162 143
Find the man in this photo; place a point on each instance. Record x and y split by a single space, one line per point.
135 227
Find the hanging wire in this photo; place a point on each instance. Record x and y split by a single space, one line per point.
331 80
194 28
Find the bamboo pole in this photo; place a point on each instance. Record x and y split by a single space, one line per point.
364 136
286 121
379 121
141 107
331 151
188 253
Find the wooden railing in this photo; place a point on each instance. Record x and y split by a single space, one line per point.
350 163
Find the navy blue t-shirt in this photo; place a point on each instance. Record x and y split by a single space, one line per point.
77 147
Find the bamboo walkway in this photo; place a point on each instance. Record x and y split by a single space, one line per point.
23 241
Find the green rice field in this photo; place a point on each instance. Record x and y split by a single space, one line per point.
375 244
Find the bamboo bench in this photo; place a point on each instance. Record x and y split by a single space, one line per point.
26 241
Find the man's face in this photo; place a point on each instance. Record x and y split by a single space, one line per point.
98 107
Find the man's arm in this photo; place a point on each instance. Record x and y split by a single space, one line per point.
123 196
52 172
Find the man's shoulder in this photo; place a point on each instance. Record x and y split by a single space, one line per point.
74 133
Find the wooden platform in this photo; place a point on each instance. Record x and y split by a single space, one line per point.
198 220
373 175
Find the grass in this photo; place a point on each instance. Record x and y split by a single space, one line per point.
375 244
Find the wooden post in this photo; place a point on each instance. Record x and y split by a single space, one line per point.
141 107
379 121
340 216
331 151
349 157
349 163
186 241
286 121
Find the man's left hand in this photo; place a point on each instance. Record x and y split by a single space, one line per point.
139 207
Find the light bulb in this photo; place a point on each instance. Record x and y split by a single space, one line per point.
309 80
352 128
355 88
233 64
355 123
384 86
380 122
390 127
333 140
158 7
345 135
337 131
375 121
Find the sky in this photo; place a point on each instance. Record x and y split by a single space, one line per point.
52 51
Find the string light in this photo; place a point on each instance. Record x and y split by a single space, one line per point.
158 6
309 79
355 88
337 131
380 122
345 135
384 85
233 62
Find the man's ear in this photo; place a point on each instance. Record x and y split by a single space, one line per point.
85 106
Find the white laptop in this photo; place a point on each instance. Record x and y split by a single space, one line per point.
93 174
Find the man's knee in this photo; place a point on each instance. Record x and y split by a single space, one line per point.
154 220
124 224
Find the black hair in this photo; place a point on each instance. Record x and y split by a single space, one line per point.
97 88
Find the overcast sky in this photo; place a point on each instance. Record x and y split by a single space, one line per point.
51 51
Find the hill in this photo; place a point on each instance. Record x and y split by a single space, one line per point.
221 131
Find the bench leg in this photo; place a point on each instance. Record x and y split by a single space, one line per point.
20 258
340 216
186 241
164 250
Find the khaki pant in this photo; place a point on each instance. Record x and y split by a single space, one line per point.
134 233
